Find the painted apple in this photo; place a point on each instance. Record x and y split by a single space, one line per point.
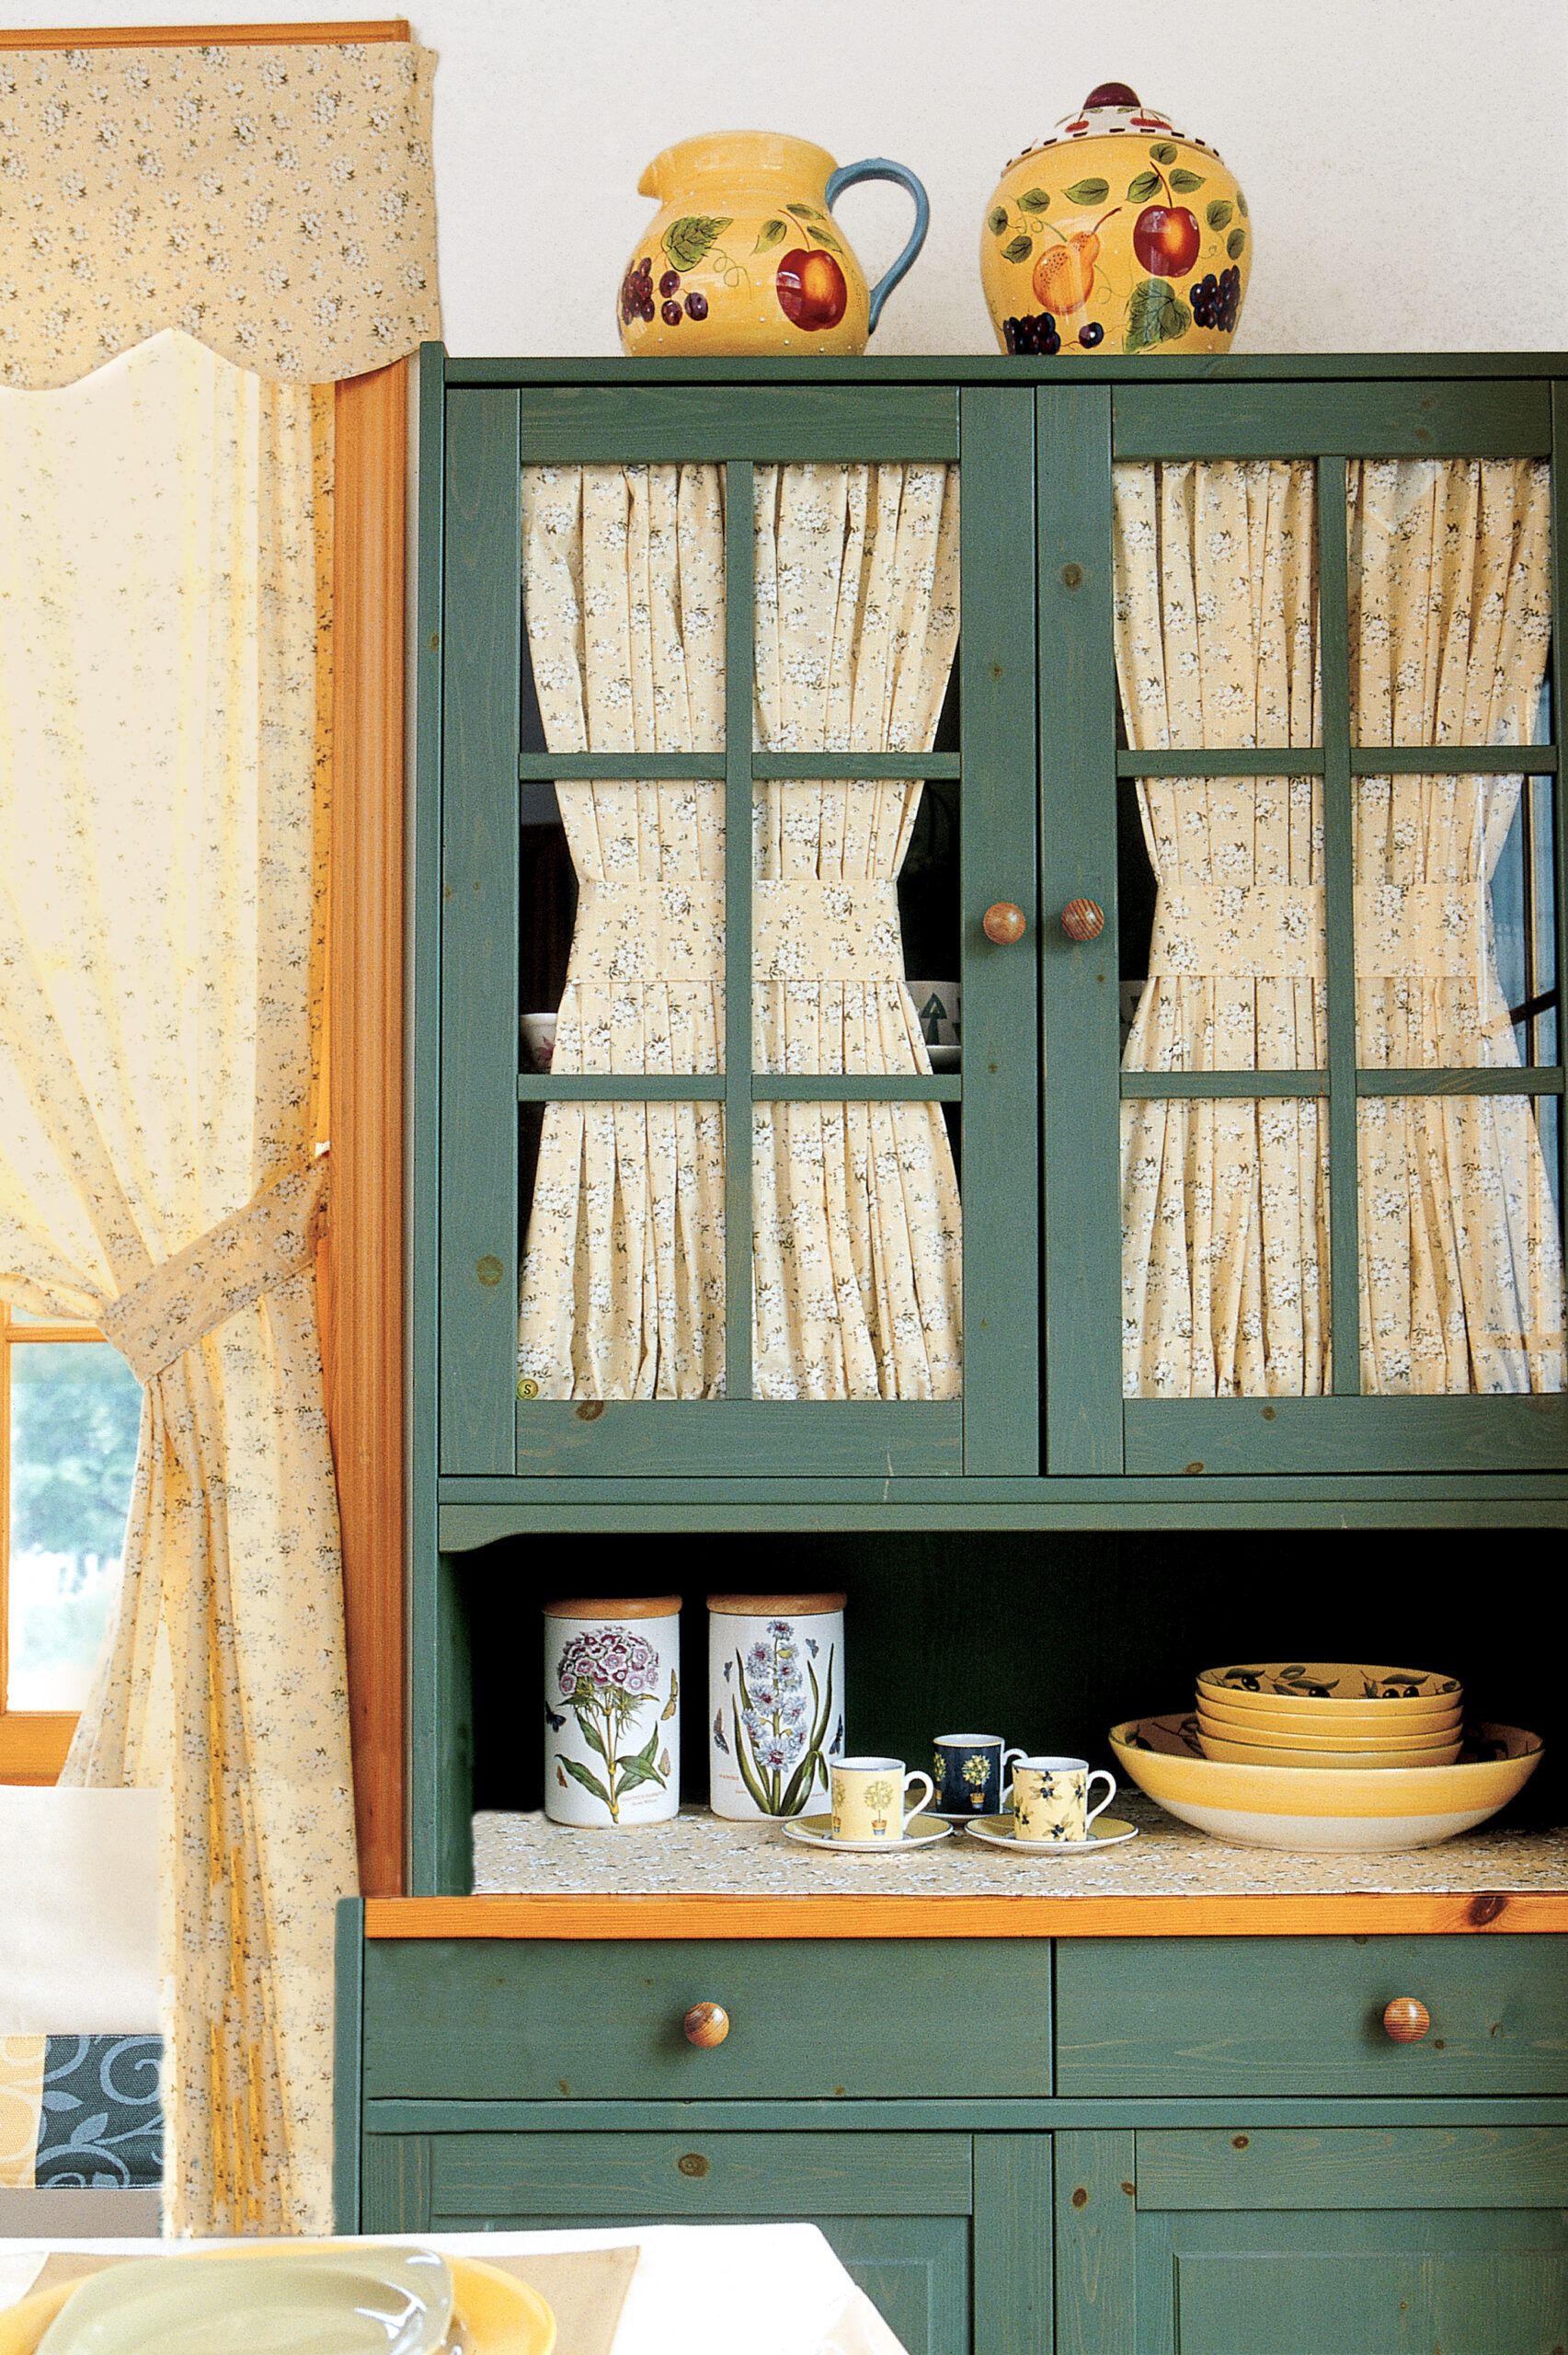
811 290
1166 237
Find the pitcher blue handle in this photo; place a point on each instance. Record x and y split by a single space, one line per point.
877 167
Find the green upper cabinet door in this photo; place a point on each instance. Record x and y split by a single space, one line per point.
739 1116
1300 653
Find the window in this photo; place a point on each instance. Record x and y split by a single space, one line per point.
69 1411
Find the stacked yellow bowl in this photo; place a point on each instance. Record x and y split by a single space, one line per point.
1389 1764
1329 1713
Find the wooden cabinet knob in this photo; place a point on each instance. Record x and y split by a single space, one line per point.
1406 2019
1003 923
1083 920
706 2025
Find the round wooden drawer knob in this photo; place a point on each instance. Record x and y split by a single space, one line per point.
1083 920
1003 923
1406 2019
706 2025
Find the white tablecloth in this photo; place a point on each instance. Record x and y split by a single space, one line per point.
698 2288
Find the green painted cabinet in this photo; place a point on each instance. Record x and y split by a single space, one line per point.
1306 2241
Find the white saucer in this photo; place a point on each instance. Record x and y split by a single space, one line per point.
997 1831
812 1831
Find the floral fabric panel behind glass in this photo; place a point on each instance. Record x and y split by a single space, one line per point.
856 1242
1450 625
1225 1203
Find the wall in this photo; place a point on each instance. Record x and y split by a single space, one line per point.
1441 127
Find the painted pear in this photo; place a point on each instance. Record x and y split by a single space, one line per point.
1064 275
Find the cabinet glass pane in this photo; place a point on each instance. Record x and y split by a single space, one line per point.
622 1283
621 962
1451 599
858 974
857 1252
1455 922
623 596
1216 602
1461 1247
1225 1248
1222 924
75 1410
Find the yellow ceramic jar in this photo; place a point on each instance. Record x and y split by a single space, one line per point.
1120 234
742 256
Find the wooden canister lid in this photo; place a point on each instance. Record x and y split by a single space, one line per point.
774 1607
655 1606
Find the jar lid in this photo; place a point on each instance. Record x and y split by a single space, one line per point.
1111 109
768 1606
654 1606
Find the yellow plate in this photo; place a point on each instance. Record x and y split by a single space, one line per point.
1334 1727
501 2314
1263 1754
1314 1688
1228 1726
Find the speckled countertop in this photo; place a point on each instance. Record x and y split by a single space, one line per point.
702 1854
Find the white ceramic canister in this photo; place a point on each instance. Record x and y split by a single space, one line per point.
775 1700
613 1711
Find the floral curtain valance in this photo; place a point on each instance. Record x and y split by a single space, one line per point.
276 202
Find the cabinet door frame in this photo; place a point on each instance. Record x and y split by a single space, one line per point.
1082 432
472 760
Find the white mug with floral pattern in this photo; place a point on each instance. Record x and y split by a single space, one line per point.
1051 1799
869 1796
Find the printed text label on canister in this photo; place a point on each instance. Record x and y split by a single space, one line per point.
775 1700
613 1711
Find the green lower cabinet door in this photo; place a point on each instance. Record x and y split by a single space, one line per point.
915 2270
1405 2241
897 2208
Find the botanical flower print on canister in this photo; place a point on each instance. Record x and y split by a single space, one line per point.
775 1700
613 1711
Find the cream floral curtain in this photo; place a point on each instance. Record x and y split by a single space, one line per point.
164 537
857 1223
1225 1204
276 200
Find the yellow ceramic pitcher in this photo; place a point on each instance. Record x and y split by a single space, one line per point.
742 256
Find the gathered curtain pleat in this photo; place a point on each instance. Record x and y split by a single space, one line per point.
165 703
856 1236
1226 1202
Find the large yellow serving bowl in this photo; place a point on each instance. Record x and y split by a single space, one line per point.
1317 1689
1336 1727
1263 1752
1353 1810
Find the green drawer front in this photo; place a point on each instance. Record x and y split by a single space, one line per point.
671 2176
505 2019
1305 2015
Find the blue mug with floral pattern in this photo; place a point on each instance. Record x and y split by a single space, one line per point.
968 1771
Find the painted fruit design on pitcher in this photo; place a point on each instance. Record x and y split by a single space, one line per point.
1119 234
744 255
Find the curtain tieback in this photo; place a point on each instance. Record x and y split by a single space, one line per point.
1275 932
249 1253
802 930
